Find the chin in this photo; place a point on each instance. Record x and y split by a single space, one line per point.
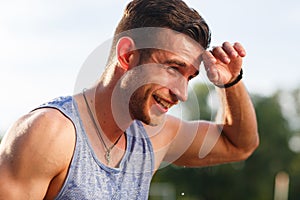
146 115
157 120
151 120
153 124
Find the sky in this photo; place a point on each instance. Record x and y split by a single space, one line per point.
44 44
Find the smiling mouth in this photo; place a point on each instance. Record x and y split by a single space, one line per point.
162 102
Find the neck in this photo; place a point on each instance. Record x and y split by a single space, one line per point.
109 110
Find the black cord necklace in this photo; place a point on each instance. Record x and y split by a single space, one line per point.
108 150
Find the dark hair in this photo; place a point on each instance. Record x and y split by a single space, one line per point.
172 14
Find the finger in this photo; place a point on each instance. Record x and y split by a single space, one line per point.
230 50
213 75
219 53
209 62
208 59
240 49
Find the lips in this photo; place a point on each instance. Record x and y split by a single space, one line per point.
164 103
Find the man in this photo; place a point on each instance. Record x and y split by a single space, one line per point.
107 141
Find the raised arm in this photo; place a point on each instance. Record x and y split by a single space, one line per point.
233 136
236 115
33 153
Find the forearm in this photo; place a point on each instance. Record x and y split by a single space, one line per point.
237 118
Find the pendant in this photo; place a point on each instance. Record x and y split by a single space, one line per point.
107 156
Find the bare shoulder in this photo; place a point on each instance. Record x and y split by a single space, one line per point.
44 132
175 126
176 136
164 137
165 134
37 148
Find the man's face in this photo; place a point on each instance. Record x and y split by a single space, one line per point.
163 78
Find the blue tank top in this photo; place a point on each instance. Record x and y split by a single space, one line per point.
88 178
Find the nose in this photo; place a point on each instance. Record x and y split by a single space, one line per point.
180 89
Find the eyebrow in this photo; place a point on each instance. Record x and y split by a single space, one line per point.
180 64
176 62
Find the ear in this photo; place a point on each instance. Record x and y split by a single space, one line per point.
126 54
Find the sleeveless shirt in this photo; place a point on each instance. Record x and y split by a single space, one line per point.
89 178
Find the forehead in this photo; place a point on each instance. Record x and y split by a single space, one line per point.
170 41
181 47
179 44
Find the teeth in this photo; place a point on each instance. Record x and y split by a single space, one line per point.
162 102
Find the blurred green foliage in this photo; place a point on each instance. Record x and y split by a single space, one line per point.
254 178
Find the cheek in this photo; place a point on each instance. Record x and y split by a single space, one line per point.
140 98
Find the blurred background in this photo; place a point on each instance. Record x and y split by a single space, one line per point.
44 44
272 172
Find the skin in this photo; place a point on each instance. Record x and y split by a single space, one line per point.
34 165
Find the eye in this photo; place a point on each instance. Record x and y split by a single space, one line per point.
173 69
